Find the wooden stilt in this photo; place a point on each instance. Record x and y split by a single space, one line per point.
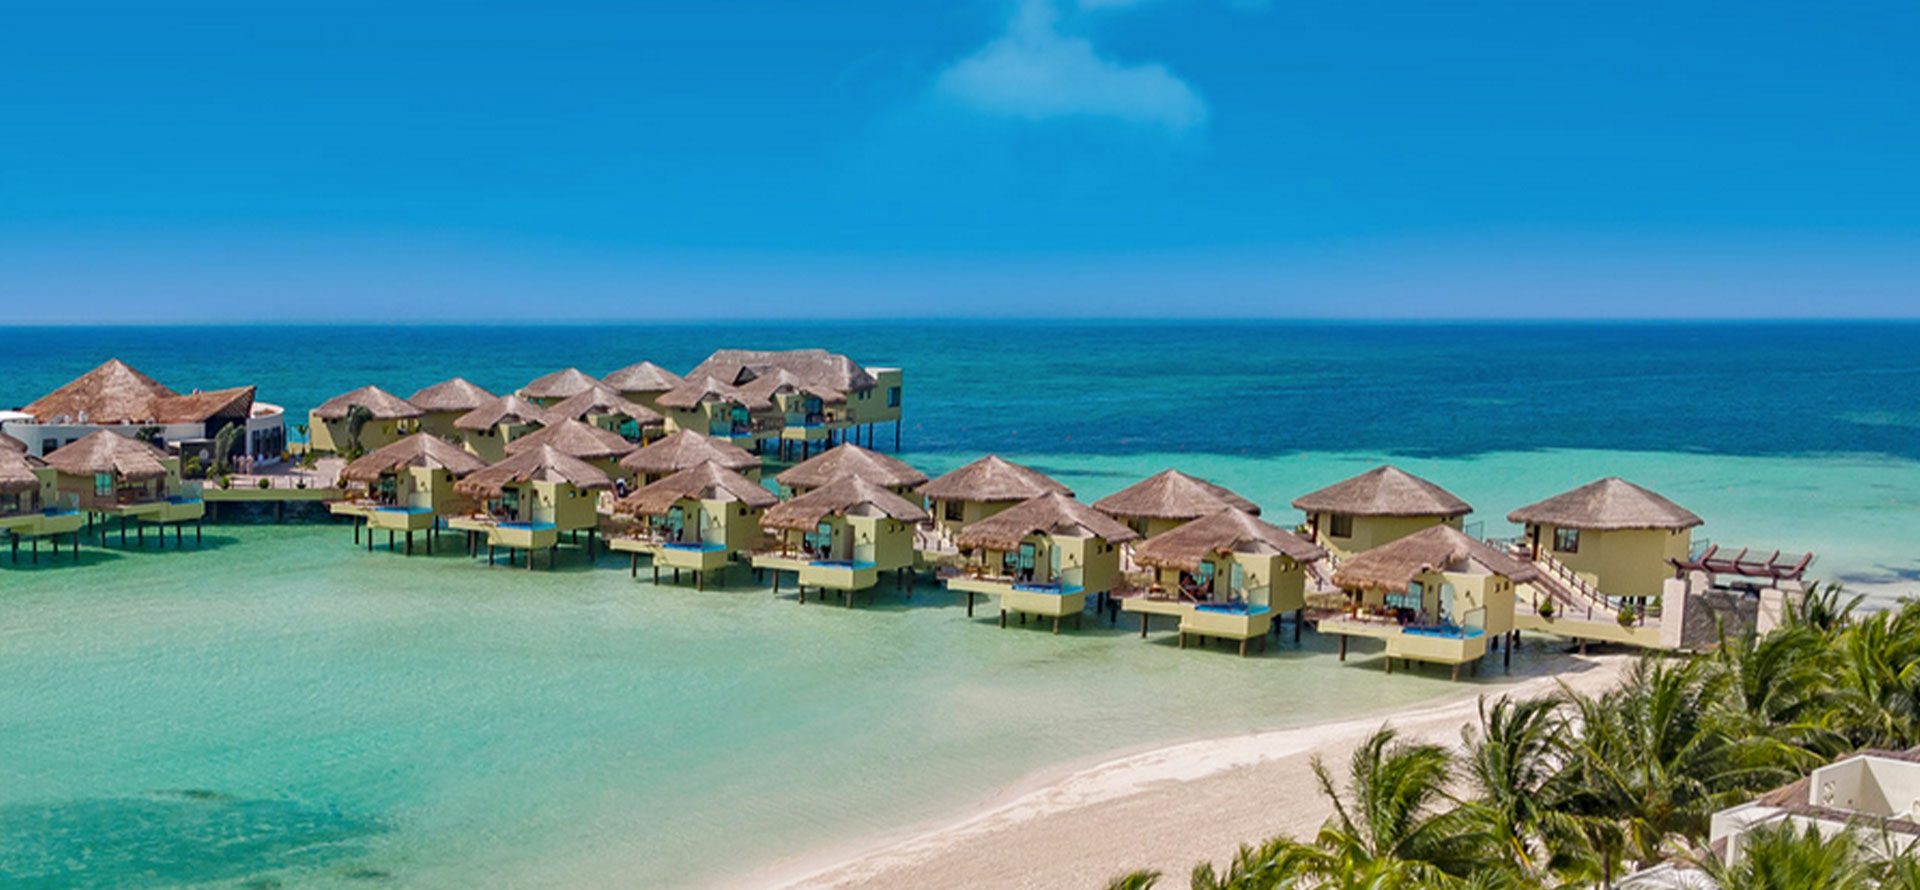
1056 625
633 566
1343 647
1003 618
969 604
409 542
1456 673
1389 664
1243 648
1299 618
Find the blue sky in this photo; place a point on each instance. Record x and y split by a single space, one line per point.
1018 158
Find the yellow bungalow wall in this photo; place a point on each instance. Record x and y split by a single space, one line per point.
1284 581
331 435
1628 562
1097 560
1470 592
1372 531
970 513
440 423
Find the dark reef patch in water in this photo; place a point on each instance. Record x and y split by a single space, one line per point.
167 838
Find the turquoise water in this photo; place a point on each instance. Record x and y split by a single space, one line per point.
281 708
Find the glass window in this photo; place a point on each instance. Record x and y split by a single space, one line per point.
954 510
1566 540
1340 525
103 484
893 397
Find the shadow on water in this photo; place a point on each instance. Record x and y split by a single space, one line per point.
24 562
168 838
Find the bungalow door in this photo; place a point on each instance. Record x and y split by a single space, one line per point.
676 524
1023 569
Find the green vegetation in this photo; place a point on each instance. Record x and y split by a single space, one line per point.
1573 790
358 416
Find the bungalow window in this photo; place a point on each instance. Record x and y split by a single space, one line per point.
1340 525
954 510
102 484
893 397
1566 540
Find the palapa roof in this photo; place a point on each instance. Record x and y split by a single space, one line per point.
780 381
383 404
116 393
708 389
508 409
561 384
1171 494
417 450
1052 513
195 407
816 366
1228 531
843 496
992 480
643 377
707 482
851 460
1441 548
16 471
109 452
542 464
457 394
603 400
9 443
1384 491
581 440
686 449
1610 504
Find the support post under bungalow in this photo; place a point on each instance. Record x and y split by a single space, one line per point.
1299 618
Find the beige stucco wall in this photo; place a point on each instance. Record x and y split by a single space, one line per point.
1372 531
1629 562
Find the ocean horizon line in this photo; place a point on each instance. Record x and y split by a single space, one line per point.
1064 321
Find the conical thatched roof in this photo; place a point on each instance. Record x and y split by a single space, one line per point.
16 472
643 377
561 384
1228 531
992 480
111 393
843 496
1384 491
780 381
9 443
417 450
1609 504
686 449
109 452
1171 494
707 482
851 460
603 401
580 440
697 391
383 404
543 464
1052 513
235 403
457 394
1441 548
510 410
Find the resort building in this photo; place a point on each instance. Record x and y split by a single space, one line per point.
599 447
116 397
849 459
1609 538
698 520
1223 576
720 410
841 536
443 403
980 490
389 419
30 505
868 397
643 383
406 487
1041 557
109 475
1169 499
607 409
562 384
685 450
490 428
1379 506
1437 595
528 500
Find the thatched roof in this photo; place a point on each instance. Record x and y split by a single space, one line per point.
196 407
707 482
1442 548
780 381
603 401
383 404
699 390
1609 504
543 464
510 410
847 495
992 480
111 393
9 443
851 460
816 366
561 384
1171 494
686 449
580 440
1384 491
1228 531
417 450
16 472
457 394
1052 513
643 377
109 452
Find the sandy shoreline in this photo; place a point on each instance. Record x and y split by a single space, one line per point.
1166 807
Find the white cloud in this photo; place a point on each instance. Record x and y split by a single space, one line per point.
1034 72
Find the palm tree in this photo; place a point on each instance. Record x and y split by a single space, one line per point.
1139 880
1777 857
1512 757
1879 672
358 416
1780 693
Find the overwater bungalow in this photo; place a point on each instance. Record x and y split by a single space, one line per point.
982 489
721 410
1376 507
1609 538
1224 576
644 382
31 507
698 519
447 401
1437 595
1169 499
810 413
685 450
490 428
527 501
601 447
549 390
106 475
603 407
849 459
841 536
392 419
406 487
116 397
1041 557
873 394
